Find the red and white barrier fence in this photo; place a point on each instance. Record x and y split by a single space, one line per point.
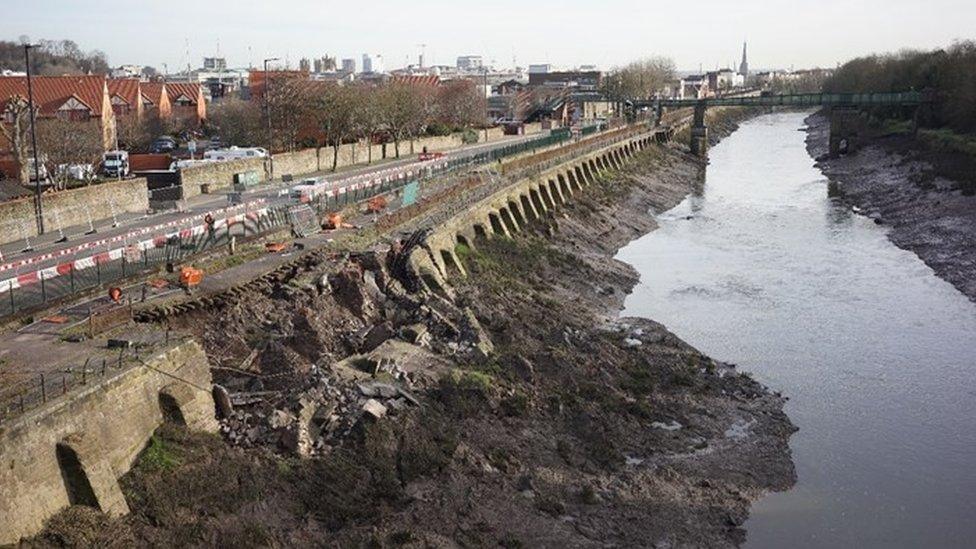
129 250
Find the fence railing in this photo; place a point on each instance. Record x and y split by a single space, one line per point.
22 396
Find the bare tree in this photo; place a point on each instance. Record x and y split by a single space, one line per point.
289 101
237 122
133 133
14 126
369 118
65 143
336 110
639 79
402 108
461 104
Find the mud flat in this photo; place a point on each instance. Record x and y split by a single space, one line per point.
510 408
894 181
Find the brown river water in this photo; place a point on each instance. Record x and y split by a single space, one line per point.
876 353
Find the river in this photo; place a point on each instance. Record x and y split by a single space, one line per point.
876 354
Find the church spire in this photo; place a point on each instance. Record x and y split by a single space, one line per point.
744 66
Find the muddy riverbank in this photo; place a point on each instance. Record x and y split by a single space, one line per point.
894 182
509 408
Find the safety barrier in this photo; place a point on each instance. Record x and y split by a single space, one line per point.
37 280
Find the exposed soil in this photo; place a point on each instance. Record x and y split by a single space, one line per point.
923 196
510 408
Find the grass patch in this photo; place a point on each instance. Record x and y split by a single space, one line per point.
946 140
159 455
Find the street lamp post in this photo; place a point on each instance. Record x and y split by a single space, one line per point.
38 207
267 108
487 96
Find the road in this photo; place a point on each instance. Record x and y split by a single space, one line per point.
22 260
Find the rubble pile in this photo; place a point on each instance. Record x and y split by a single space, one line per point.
333 348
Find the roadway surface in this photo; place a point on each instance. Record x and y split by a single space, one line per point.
65 244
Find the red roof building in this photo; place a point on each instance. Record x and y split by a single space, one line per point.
186 101
155 100
427 80
75 98
125 95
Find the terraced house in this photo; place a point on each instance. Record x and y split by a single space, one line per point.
81 99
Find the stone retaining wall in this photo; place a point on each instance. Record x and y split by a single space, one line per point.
73 207
219 176
74 449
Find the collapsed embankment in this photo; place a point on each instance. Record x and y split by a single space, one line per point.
509 408
893 180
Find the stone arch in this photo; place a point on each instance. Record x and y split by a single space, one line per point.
452 265
580 177
76 481
555 193
563 186
463 240
170 409
508 220
479 232
528 207
540 208
496 224
516 210
589 171
573 183
544 198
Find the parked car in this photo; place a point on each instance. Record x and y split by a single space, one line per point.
234 153
306 188
163 144
77 172
215 142
115 163
42 168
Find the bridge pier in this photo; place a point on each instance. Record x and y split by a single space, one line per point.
845 123
699 132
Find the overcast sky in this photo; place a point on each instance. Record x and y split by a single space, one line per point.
562 32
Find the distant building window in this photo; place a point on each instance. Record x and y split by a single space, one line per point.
74 110
74 115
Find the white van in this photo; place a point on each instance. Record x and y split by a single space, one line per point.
235 153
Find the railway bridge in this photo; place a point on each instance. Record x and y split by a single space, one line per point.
844 111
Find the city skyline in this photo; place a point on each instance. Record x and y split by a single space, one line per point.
596 35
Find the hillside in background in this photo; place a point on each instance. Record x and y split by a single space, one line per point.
53 57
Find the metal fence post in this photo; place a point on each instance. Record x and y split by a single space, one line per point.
43 390
43 290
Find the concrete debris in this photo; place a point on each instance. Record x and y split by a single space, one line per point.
373 409
376 335
222 401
